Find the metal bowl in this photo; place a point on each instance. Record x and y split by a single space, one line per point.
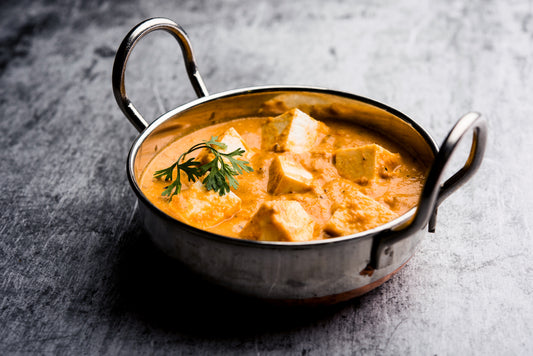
324 271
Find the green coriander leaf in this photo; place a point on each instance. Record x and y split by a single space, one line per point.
219 176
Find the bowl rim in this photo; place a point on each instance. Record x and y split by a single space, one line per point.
392 225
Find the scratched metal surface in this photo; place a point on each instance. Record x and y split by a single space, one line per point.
77 273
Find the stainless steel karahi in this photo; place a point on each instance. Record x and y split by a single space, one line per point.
325 271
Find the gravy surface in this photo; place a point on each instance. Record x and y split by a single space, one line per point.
378 200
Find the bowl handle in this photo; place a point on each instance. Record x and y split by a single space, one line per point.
124 51
434 193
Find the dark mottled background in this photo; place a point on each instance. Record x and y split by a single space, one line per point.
79 276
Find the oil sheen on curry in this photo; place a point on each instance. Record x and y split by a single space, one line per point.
311 180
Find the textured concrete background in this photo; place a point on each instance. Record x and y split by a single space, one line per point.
79 276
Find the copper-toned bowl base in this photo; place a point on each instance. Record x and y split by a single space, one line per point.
336 298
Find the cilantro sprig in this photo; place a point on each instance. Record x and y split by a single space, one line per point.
220 175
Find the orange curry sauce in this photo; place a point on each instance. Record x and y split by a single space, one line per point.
346 180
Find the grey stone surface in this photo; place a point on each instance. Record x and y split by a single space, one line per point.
79 276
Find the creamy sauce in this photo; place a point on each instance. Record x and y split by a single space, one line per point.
395 191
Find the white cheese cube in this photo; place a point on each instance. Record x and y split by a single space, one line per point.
204 208
353 211
280 220
286 176
365 163
346 221
293 131
233 141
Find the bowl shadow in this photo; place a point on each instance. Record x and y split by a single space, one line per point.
158 290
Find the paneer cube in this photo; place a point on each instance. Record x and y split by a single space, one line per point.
233 140
293 131
354 212
365 163
286 176
346 221
204 208
280 220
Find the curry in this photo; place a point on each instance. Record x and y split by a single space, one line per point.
311 179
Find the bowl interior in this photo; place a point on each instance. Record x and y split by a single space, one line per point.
270 101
